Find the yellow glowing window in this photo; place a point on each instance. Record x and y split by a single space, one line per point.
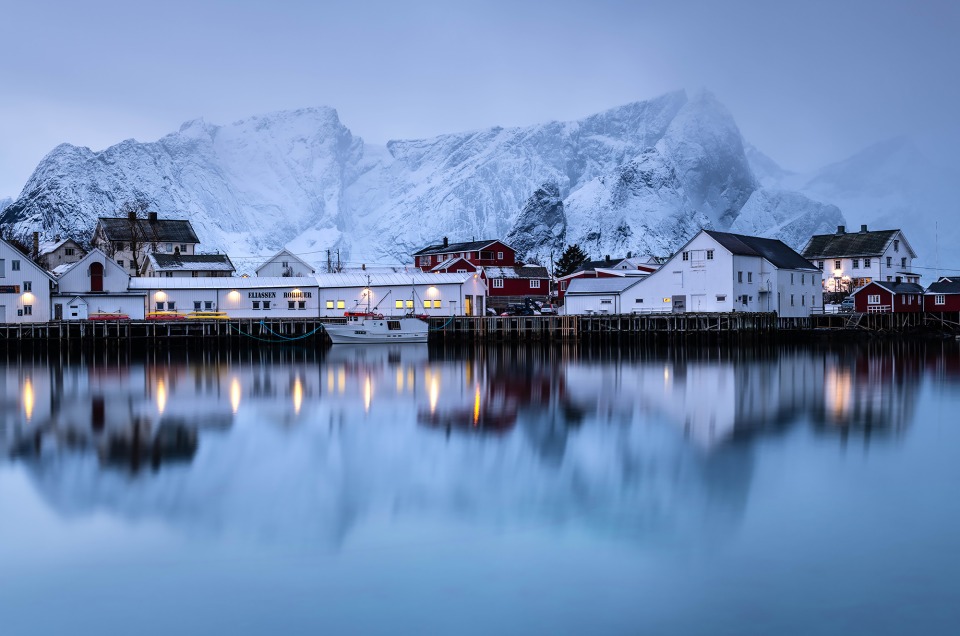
426 304
436 304
399 304
409 304
329 304
341 304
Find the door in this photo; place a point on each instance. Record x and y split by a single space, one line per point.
96 277
679 304
468 305
58 311
3 314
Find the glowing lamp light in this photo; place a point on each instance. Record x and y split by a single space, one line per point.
28 298
160 296
432 291
234 296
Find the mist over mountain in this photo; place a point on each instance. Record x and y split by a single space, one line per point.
643 177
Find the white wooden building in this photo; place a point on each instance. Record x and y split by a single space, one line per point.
460 294
851 260
187 265
285 263
24 287
239 297
715 272
96 283
597 295
59 252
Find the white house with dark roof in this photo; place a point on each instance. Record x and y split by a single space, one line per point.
715 272
285 263
24 287
187 266
850 260
129 239
59 252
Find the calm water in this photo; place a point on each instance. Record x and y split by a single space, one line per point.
509 491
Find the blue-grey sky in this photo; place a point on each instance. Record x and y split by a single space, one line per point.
809 82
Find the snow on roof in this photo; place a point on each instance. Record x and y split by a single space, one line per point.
191 262
47 247
60 270
159 230
518 271
350 279
291 256
225 282
601 285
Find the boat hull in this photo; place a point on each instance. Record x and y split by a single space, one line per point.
378 331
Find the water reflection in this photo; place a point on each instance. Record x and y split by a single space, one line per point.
634 442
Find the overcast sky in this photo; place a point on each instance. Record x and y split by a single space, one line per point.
809 82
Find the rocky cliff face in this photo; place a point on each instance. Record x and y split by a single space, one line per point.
643 177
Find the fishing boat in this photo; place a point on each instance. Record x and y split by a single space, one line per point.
369 327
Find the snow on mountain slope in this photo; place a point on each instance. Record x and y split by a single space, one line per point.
789 216
641 177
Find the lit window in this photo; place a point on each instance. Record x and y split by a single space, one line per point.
341 304
409 304
426 304
398 304
329 304
437 304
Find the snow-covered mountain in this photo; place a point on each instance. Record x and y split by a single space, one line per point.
4 202
643 177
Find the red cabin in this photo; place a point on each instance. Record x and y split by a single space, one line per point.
942 296
520 280
477 253
883 297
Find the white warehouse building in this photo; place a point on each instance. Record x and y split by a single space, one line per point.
239 297
459 294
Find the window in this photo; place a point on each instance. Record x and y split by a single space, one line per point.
28 310
499 256
284 264
291 304
803 279
301 304
256 304
873 299
169 247
15 266
437 304
803 300
68 251
903 262
341 304
159 306
183 247
749 277
168 274
196 305
836 265
709 255
171 305
889 261
398 304
856 263
266 304
686 256
534 283
120 262
409 304
426 304
329 304
721 298
791 278
739 277
133 266
208 305
940 299
866 263
896 246
27 285
461 271
3 271
820 265
791 300
639 301
498 283
195 274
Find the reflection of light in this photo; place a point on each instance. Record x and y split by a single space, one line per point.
399 380
476 406
666 375
297 395
161 396
341 380
367 394
330 380
434 384
28 398
410 379
838 393
235 395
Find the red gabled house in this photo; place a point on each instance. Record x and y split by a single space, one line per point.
454 265
608 268
478 253
883 297
517 281
943 295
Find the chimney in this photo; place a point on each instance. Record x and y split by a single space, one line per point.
152 217
841 229
36 244
607 259
629 254
131 216
363 267
446 242
863 228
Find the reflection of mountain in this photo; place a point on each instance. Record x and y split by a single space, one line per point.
305 449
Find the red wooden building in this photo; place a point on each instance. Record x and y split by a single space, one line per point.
608 268
943 295
444 257
517 281
883 297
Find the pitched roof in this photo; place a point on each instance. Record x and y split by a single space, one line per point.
161 230
944 286
517 271
47 247
292 257
191 262
450 261
589 266
601 285
468 246
223 282
896 288
871 243
777 252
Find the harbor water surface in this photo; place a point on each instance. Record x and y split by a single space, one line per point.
626 489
